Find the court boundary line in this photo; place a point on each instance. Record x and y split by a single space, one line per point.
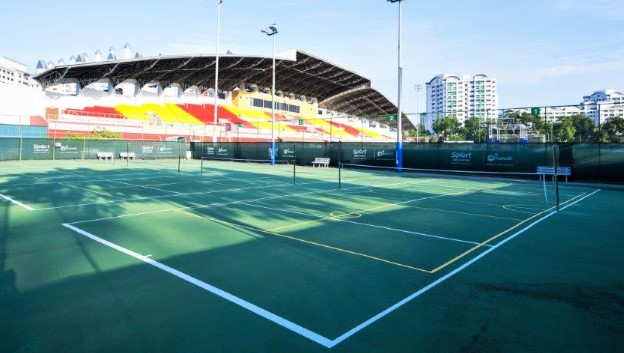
293 327
15 202
442 279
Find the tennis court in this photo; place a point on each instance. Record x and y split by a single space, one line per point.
196 256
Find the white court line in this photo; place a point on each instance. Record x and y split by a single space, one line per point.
300 330
16 202
445 277
338 219
272 197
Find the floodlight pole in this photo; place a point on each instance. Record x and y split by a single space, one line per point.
271 32
216 88
418 89
399 144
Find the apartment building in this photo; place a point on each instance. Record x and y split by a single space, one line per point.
462 96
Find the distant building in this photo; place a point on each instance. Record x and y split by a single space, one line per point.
463 97
14 73
604 104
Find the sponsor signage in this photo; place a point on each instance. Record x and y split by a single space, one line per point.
288 153
165 150
147 149
385 155
499 159
461 158
270 152
211 151
67 149
359 154
221 151
41 148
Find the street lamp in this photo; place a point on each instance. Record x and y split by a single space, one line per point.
216 88
399 145
271 32
418 89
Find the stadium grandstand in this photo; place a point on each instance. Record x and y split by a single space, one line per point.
155 98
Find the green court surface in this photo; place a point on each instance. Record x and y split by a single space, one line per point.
156 256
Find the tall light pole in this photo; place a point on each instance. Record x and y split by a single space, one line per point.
418 88
271 32
216 88
399 144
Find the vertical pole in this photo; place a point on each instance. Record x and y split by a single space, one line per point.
399 147
555 162
21 145
179 154
339 153
418 89
54 142
294 165
339 175
216 88
127 154
273 108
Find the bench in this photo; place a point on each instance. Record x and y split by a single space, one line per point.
563 171
127 155
105 155
320 162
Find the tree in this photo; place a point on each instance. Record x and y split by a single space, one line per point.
445 126
475 129
564 130
612 130
584 126
100 133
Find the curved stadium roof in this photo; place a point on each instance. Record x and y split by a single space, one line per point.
335 88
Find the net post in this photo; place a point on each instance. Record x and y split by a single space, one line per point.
127 154
201 165
179 153
294 164
556 162
339 175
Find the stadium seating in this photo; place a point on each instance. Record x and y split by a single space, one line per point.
348 129
171 114
325 127
133 112
96 111
205 113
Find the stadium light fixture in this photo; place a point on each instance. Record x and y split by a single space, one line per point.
216 87
399 144
271 32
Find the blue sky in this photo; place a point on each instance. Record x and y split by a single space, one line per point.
541 52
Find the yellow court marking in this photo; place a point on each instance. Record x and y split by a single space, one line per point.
465 213
351 252
339 215
89 190
499 235
332 216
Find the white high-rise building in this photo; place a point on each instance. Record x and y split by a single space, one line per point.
604 104
463 97
14 73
